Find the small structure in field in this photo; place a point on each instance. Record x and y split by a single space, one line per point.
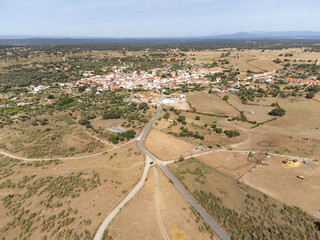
200 148
291 163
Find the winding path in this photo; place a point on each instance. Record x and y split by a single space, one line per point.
65 158
150 158
157 200
221 234
132 193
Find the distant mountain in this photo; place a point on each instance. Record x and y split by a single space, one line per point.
257 35
269 35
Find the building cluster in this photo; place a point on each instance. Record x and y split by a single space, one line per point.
159 78
302 81
153 79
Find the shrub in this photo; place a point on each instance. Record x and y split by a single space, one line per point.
143 106
84 121
225 97
231 133
181 118
310 95
277 112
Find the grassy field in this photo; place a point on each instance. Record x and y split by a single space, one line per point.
301 119
64 200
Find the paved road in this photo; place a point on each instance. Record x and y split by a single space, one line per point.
203 214
115 211
191 200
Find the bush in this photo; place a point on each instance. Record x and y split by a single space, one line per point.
277 112
129 134
197 118
113 114
181 118
231 133
84 121
218 130
310 95
225 97
143 106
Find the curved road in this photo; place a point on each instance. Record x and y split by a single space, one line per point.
115 211
190 199
65 158
149 158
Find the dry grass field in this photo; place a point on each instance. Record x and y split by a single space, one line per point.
281 183
254 60
231 202
56 139
296 133
167 147
301 119
211 103
64 199
204 177
233 164
139 219
260 112
265 141
210 136
105 124
179 104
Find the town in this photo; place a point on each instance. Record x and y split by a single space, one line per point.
160 80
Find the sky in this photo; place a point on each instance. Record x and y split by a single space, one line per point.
155 18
